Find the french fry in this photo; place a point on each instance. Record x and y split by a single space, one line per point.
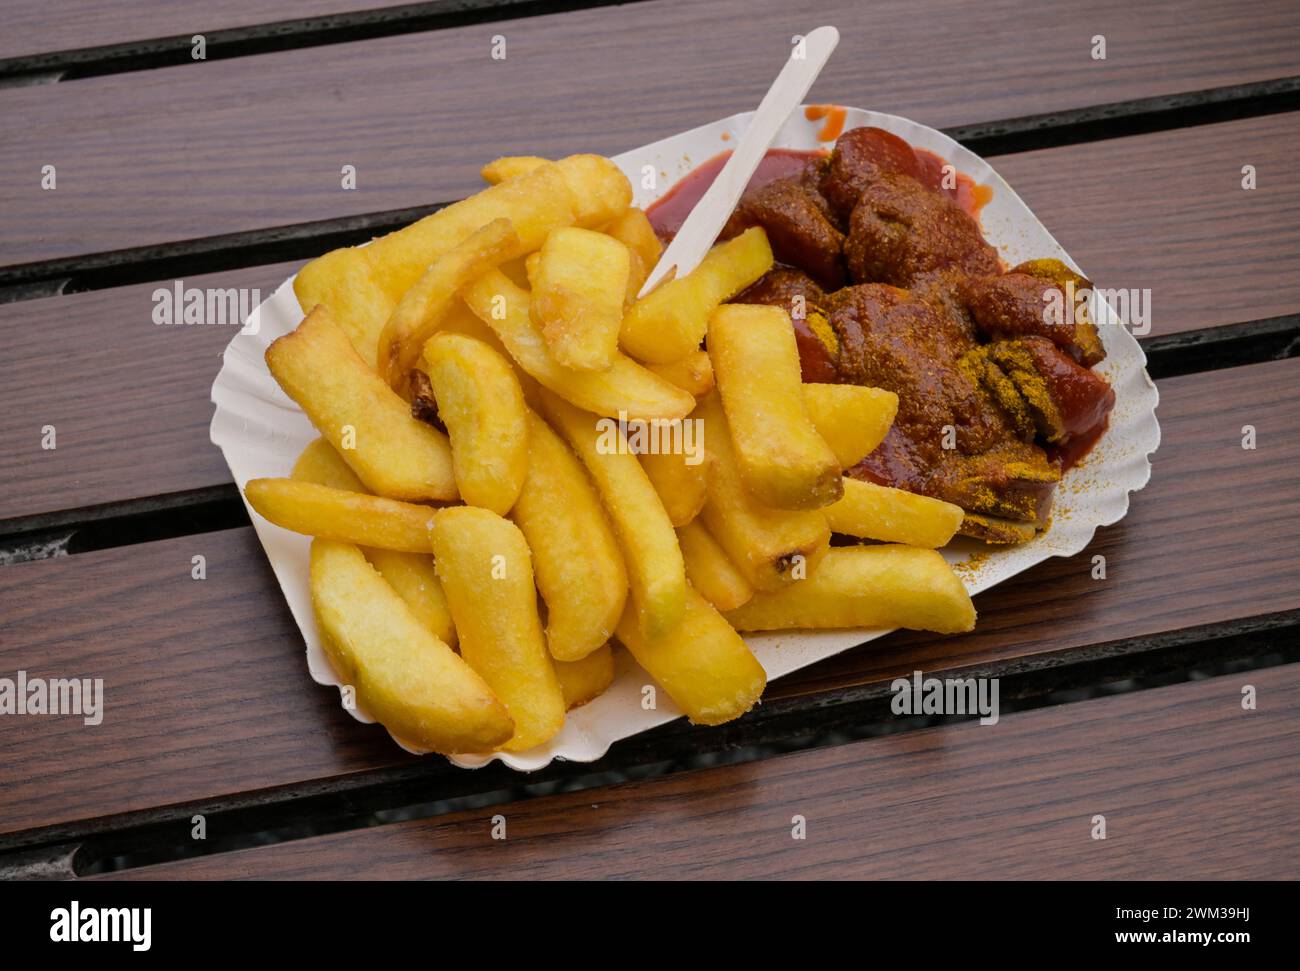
634 230
693 373
410 574
586 679
423 308
851 419
576 557
680 478
577 300
413 577
369 425
350 517
670 322
485 569
482 405
517 270
783 461
361 285
461 320
464 321
770 547
654 562
321 464
871 511
509 167
625 387
403 674
701 662
867 586
710 570
532 262
599 190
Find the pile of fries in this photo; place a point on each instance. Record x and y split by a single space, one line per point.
486 518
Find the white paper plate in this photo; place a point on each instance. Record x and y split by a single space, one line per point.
261 432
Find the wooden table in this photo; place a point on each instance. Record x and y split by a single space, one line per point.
1121 697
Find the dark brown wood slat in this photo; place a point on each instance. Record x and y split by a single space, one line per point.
1168 211
132 409
198 150
207 695
205 688
128 398
33 27
1191 786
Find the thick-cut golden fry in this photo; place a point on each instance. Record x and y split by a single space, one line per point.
710 570
771 547
362 284
352 517
403 674
587 678
633 230
851 419
482 405
461 320
362 417
576 557
783 461
693 373
510 167
600 191
479 331
680 478
701 662
517 270
670 322
625 387
577 301
485 569
464 321
870 511
422 309
654 562
598 188
867 586
319 463
400 258
413 577
410 574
